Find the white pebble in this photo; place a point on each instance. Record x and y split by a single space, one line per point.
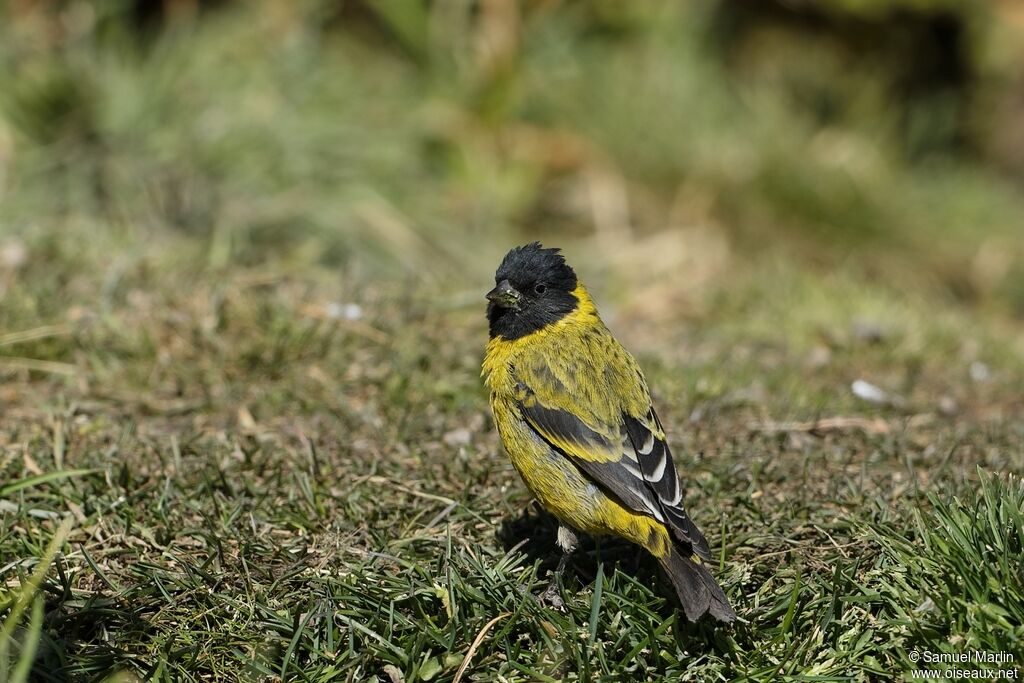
868 392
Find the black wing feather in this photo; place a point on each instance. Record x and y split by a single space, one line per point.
642 475
611 476
659 472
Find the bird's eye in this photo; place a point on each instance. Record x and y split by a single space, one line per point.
540 288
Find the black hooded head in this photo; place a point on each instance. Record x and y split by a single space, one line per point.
534 289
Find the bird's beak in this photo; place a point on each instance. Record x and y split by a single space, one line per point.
504 295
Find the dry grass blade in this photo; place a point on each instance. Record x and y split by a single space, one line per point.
826 424
49 366
476 643
43 332
412 492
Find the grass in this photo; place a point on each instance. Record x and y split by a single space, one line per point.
241 329
318 501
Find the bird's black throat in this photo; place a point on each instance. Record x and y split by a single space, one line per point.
511 323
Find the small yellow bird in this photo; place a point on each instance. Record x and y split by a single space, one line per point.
575 416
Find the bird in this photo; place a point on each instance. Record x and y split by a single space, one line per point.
574 413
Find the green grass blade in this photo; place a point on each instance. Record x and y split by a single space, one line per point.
595 605
28 592
787 621
29 482
31 642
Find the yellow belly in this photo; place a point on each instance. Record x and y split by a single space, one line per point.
567 493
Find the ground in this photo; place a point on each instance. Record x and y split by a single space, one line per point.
241 332
259 487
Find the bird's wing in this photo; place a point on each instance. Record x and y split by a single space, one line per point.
596 410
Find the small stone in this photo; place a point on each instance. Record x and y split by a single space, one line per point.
868 392
948 406
927 606
393 674
819 356
867 331
458 437
340 311
979 371
13 254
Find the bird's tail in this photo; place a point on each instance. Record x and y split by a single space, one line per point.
698 591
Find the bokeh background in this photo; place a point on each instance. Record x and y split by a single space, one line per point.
243 251
669 144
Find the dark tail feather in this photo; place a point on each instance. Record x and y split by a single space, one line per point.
697 589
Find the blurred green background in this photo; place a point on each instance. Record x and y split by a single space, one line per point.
671 144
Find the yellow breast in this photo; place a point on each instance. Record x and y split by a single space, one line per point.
501 353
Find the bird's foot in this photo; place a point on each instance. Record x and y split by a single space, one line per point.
551 596
568 542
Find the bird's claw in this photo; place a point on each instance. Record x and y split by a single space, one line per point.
551 596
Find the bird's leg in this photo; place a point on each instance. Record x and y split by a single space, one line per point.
568 542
